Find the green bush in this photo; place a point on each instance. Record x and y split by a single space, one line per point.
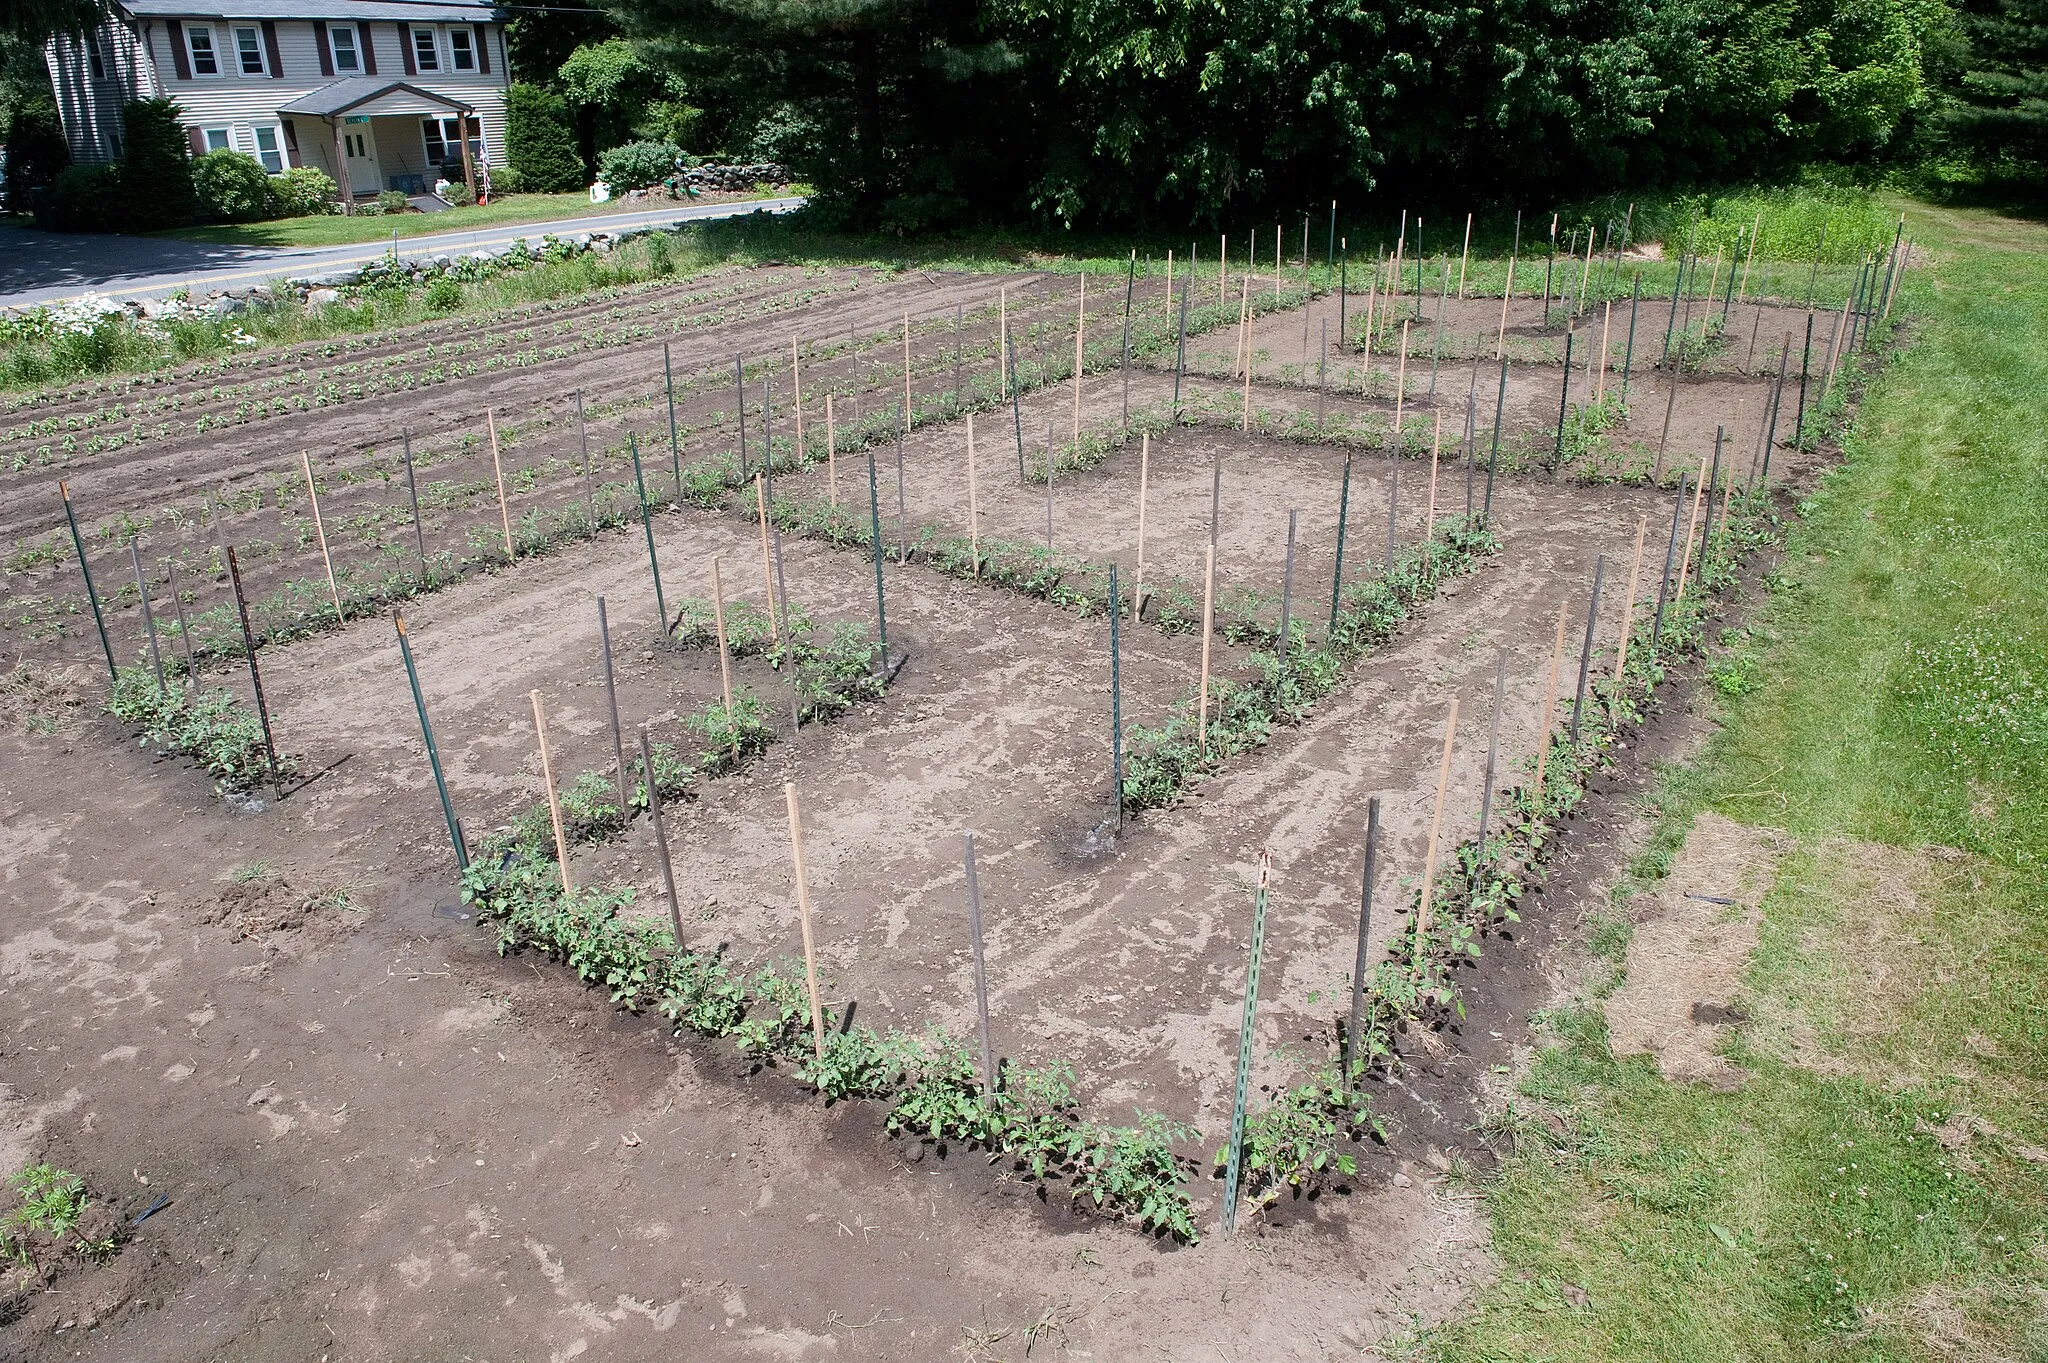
156 172
505 180
393 201
300 192
540 147
86 199
443 295
638 165
209 726
230 187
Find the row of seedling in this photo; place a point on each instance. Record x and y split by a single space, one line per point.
1296 1143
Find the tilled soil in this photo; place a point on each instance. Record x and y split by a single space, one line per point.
381 1140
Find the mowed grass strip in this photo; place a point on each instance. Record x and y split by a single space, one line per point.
1875 1187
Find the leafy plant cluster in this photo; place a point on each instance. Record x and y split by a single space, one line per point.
1161 761
827 677
47 1223
208 725
1582 447
1477 891
930 1081
1293 1144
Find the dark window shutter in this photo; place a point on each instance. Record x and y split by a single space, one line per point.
198 141
326 52
178 57
369 49
270 42
405 48
291 143
483 50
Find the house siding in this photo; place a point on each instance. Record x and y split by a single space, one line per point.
89 107
239 103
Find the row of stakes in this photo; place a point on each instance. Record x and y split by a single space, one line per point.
1868 303
991 1073
770 548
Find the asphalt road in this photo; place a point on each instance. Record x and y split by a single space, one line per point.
46 267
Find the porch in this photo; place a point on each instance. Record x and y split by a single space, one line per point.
376 135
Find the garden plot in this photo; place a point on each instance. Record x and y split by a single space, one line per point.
1126 958
1000 723
541 448
1605 440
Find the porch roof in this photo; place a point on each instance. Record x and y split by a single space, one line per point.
352 93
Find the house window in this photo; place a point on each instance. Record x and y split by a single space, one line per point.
217 139
425 55
343 39
92 55
461 52
249 50
269 150
199 39
444 144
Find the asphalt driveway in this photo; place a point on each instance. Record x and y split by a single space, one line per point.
45 267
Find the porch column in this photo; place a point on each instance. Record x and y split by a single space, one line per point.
468 162
345 190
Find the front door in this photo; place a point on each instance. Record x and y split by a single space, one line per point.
359 144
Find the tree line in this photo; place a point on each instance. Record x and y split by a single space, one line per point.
908 115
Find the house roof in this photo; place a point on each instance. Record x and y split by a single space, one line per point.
345 11
352 92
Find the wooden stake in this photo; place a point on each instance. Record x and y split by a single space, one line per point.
1606 325
1548 714
320 530
974 498
1372 299
803 911
767 572
1002 339
1244 345
1699 489
718 618
547 776
796 402
1628 604
1080 331
831 454
1401 381
906 371
1754 227
504 514
1466 258
1436 442
1436 819
1144 484
1208 627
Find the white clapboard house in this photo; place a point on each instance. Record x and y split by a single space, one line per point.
376 94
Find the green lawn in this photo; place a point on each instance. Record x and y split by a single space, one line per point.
1877 1188
336 230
